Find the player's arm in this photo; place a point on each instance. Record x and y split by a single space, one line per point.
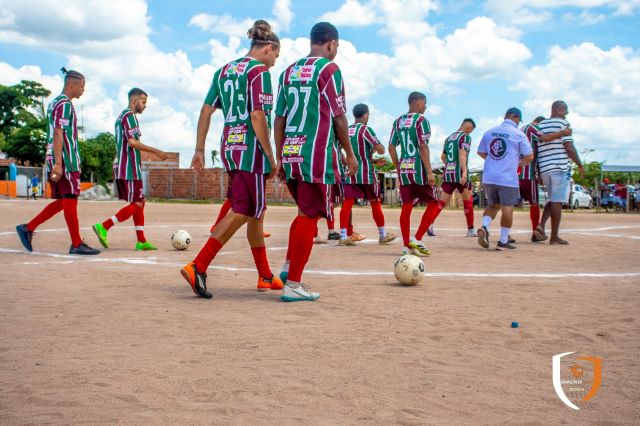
426 161
341 129
261 128
370 136
393 141
204 121
279 125
556 135
135 143
56 173
462 158
573 155
443 158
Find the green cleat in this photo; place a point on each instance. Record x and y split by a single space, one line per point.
419 249
101 233
146 246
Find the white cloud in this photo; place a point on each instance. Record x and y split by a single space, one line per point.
222 24
522 12
601 87
282 14
584 18
352 13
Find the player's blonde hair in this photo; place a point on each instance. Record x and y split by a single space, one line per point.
261 34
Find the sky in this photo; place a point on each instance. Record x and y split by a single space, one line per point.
471 59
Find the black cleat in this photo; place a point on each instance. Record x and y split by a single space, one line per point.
25 236
505 246
483 237
83 249
334 236
511 240
535 239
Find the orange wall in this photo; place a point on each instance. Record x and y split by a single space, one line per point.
8 187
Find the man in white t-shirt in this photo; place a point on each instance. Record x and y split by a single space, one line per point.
554 166
503 148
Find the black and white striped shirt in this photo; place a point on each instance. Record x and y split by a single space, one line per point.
552 156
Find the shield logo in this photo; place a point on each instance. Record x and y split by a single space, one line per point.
577 379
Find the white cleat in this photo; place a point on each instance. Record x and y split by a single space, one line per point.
472 233
296 292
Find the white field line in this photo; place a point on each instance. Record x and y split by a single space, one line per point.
154 261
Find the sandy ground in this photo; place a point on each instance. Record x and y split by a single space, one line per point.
120 338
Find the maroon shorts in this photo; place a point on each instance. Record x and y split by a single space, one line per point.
246 192
313 199
69 184
130 190
529 190
366 191
414 193
449 187
337 193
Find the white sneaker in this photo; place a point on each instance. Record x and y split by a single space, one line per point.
319 240
472 233
296 292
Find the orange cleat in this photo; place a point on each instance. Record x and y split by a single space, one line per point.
197 280
265 284
266 234
357 237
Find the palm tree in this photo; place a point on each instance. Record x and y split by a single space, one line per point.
214 156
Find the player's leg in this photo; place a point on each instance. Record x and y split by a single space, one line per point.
125 193
285 268
506 221
434 207
313 201
25 231
406 198
467 202
224 209
255 236
138 222
378 217
490 212
345 213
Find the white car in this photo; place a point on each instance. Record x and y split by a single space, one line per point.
580 197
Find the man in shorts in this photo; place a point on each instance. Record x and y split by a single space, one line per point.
503 148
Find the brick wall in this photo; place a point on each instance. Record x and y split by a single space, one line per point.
209 184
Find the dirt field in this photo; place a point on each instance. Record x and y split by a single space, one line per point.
120 338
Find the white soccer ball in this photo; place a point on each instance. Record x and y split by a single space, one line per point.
409 269
181 240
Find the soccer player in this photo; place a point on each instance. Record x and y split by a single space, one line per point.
310 114
126 171
417 184
242 89
455 156
63 165
364 183
528 179
503 148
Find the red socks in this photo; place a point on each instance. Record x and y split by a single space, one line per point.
224 209
138 222
47 213
345 212
376 210
291 231
331 224
124 214
534 214
262 263
303 243
405 222
70 207
429 216
207 254
468 212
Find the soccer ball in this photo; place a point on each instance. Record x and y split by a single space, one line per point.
181 240
409 269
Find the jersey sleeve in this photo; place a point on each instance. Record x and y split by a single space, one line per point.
281 102
130 126
370 138
423 129
62 116
213 96
333 92
260 91
465 143
482 148
394 139
524 145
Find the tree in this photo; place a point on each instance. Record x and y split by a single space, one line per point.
96 155
214 156
23 123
